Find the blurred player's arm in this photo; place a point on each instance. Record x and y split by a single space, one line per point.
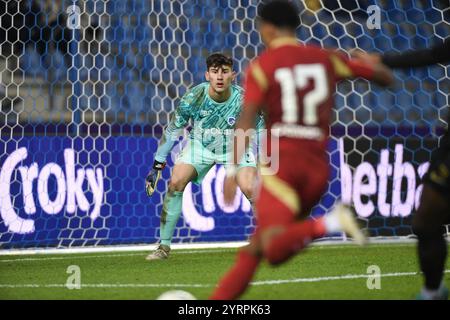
353 68
174 129
259 134
256 84
245 130
244 140
230 183
419 58
439 53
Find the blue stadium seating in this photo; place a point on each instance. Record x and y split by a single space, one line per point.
133 67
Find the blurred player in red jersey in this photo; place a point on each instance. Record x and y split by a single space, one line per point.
293 84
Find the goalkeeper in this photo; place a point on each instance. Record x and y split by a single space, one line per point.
213 106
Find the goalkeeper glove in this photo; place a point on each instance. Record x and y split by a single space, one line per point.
153 176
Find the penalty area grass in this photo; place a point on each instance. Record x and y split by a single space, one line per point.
320 272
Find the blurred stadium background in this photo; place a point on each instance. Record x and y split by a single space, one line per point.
87 86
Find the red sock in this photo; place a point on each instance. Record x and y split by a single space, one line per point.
236 280
293 239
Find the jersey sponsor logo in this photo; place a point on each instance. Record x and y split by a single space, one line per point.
231 121
297 131
205 113
212 131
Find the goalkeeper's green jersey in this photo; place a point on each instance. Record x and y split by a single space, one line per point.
213 122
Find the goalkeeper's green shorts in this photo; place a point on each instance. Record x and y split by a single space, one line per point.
203 159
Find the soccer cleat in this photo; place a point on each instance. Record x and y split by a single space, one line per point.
442 294
161 253
349 224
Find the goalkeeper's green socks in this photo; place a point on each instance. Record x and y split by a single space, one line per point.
169 216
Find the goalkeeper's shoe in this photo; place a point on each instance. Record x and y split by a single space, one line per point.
348 223
161 253
151 181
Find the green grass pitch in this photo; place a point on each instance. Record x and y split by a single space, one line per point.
321 272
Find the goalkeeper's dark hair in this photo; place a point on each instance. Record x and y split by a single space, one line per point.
218 59
281 14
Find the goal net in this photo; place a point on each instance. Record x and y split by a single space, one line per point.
87 86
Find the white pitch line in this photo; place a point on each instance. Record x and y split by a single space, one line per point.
344 277
125 248
72 257
193 285
204 251
109 285
319 279
175 252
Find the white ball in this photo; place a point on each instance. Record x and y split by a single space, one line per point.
176 295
